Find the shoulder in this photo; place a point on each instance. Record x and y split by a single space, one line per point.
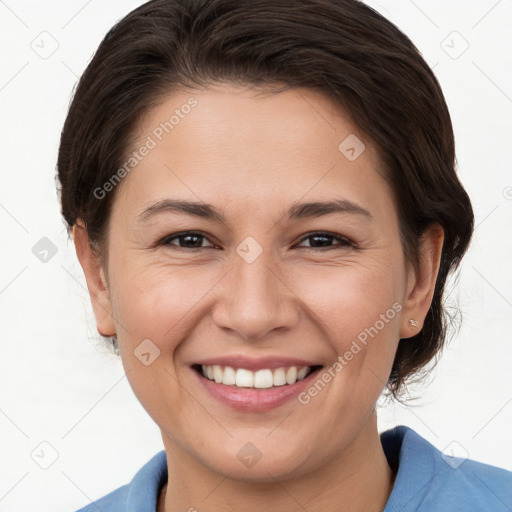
472 485
142 492
429 480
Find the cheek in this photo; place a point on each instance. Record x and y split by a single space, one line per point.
357 308
155 309
153 301
161 302
352 295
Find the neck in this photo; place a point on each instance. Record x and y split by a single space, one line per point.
358 477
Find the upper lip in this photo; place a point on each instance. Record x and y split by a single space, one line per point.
254 364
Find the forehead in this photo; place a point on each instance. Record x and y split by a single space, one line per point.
235 143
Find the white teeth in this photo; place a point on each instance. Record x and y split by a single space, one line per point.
260 379
302 373
217 373
229 376
279 377
244 378
263 379
291 375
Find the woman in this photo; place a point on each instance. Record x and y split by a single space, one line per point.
262 196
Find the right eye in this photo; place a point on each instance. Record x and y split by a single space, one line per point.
186 240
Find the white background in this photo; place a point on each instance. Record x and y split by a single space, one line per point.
59 386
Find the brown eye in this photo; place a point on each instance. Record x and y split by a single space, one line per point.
194 240
324 240
186 240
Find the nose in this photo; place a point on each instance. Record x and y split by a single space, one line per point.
255 300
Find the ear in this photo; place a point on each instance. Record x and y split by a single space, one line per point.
96 280
421 282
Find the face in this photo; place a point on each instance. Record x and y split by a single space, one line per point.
255 277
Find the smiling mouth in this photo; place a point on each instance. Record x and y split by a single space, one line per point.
260 379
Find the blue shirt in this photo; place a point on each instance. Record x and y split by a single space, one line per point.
427 480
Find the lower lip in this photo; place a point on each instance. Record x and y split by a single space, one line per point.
252 399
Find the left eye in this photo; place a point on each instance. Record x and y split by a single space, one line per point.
192 240
324 239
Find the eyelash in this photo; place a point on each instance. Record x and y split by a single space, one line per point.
344 241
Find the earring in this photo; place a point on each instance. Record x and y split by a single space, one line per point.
413 323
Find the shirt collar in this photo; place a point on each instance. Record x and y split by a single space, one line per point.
414 457
405 450
146 485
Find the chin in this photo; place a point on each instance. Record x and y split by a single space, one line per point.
264 465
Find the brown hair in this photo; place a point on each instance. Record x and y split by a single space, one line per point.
342 48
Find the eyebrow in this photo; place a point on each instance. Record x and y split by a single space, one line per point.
297 210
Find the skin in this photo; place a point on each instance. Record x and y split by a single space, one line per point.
252 154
